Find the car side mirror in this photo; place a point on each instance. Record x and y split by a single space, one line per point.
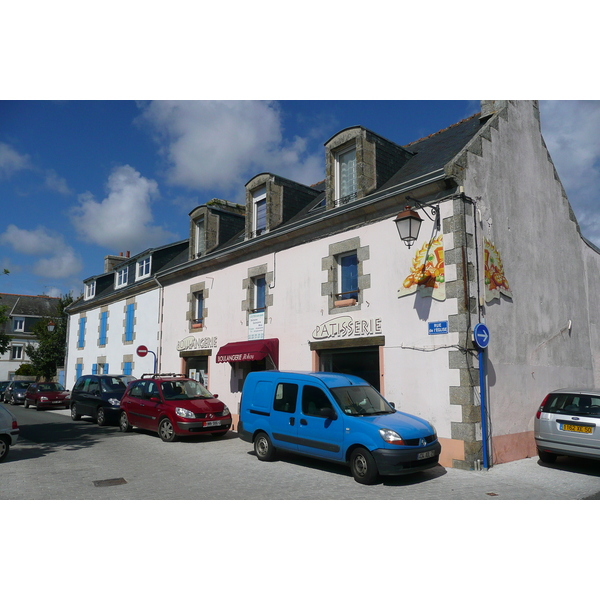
328 413
215 395
392 404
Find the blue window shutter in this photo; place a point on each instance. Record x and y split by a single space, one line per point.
94 369
103 328
78 370
81 341
105 369
129 322
127 368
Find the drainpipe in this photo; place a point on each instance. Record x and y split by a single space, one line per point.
158 357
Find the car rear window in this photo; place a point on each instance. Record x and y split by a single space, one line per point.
573 404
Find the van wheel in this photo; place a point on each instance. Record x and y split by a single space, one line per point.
263 447
363 466
74 414
547 457
101 417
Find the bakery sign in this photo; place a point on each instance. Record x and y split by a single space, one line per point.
191 342
346 327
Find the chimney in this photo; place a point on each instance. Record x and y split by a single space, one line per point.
490 107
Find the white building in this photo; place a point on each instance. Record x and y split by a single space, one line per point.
317 278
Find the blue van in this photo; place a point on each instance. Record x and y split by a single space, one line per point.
336 417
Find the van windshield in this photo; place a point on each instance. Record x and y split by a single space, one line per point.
361 400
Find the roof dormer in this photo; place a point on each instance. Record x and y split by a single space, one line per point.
214 223
358 162
272 200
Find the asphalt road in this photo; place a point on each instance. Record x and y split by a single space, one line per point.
59 459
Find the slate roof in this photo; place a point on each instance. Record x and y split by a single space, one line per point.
430 155
29 306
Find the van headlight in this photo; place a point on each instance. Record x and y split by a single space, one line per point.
391 437
185 413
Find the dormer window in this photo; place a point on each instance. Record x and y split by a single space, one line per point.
121 277
259 201
345 176
200 237
18 324
90 290
143 267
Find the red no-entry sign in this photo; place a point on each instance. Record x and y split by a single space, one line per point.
142 351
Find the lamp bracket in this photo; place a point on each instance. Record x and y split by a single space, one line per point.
435 211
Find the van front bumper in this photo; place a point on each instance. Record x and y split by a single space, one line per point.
400 461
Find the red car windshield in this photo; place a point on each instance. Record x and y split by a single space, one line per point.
187 389
51 387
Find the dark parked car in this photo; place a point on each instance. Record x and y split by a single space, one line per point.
3 386
46 394
173 405
99 397
15 392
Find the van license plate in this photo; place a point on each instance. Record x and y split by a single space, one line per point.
576 428
212 423
428 454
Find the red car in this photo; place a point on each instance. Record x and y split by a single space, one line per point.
172 405
46 394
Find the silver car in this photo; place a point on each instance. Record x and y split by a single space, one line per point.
9 431
568 423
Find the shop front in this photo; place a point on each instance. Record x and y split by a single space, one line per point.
351 346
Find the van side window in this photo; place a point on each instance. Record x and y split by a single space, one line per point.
285 397
313 400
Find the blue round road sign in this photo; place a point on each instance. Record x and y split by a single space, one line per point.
481 335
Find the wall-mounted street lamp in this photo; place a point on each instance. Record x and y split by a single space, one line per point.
408 222
50 326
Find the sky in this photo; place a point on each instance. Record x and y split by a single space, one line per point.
83 179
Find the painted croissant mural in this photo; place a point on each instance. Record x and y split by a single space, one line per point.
427 271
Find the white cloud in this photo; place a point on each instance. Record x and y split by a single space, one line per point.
571 130
220 145
59 260
11 161
123 220
56 183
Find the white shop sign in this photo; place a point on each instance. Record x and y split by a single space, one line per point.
346 327
193 343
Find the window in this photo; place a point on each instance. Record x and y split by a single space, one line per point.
103 328
18 324
81 334
313 400
198 308
121 277
200 242
345 181
90 290
129 322
285 397
17 353
260 288
143 267
348 276
259 200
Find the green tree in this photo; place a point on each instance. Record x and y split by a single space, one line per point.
50 351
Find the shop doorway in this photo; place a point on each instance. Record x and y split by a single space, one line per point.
362 362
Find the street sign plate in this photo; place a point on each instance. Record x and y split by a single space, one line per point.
481 335
142 351
437 327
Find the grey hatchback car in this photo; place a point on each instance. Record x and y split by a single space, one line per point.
568 423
